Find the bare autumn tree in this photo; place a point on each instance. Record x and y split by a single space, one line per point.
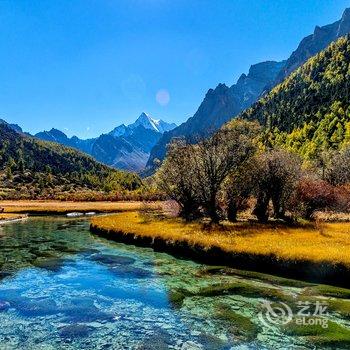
240 183
337 171
175 178
277 174
219 156
193 175
239 186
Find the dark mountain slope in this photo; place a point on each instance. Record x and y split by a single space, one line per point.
220 105
14 127
261 78
314 43
129 152
55 135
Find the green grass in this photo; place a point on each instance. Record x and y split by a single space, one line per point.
177 296
334 335
340 306
328 291
236 323
245 289
276 280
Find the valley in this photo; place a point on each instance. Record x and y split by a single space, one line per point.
229 229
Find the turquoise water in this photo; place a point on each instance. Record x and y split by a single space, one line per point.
62 288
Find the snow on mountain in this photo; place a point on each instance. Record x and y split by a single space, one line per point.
125 147
145 121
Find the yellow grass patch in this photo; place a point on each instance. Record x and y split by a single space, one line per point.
329 242
5 216
65 207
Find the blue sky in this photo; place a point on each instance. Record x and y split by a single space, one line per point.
86 66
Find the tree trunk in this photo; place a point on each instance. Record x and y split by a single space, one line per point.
278 209
212 210
232 210
261 208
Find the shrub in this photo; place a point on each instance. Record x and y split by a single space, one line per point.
312 195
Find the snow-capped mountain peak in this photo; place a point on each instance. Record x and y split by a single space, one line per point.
145 121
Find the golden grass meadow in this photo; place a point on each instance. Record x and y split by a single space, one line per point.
326 242
11 216
61 207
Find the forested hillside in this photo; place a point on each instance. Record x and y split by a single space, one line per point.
309 111
30 167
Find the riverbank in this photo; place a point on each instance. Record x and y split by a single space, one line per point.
4 218
44 207
318 254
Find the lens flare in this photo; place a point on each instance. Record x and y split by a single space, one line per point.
162 97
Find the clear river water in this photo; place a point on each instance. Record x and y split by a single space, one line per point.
63 288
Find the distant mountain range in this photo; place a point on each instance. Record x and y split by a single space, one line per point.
125 147
138 145
224 103
32 168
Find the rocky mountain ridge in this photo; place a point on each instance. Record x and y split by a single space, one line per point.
126 147
224 103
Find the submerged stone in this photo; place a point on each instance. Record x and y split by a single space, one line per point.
328 291
153 344
108 259
210 341
43 254
177 296
340 306
82 309
4 274
75 331
250 290
228 271
4 305
323 335
89 251
53 265
70 250
130 272
36 307
160 340
86 314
